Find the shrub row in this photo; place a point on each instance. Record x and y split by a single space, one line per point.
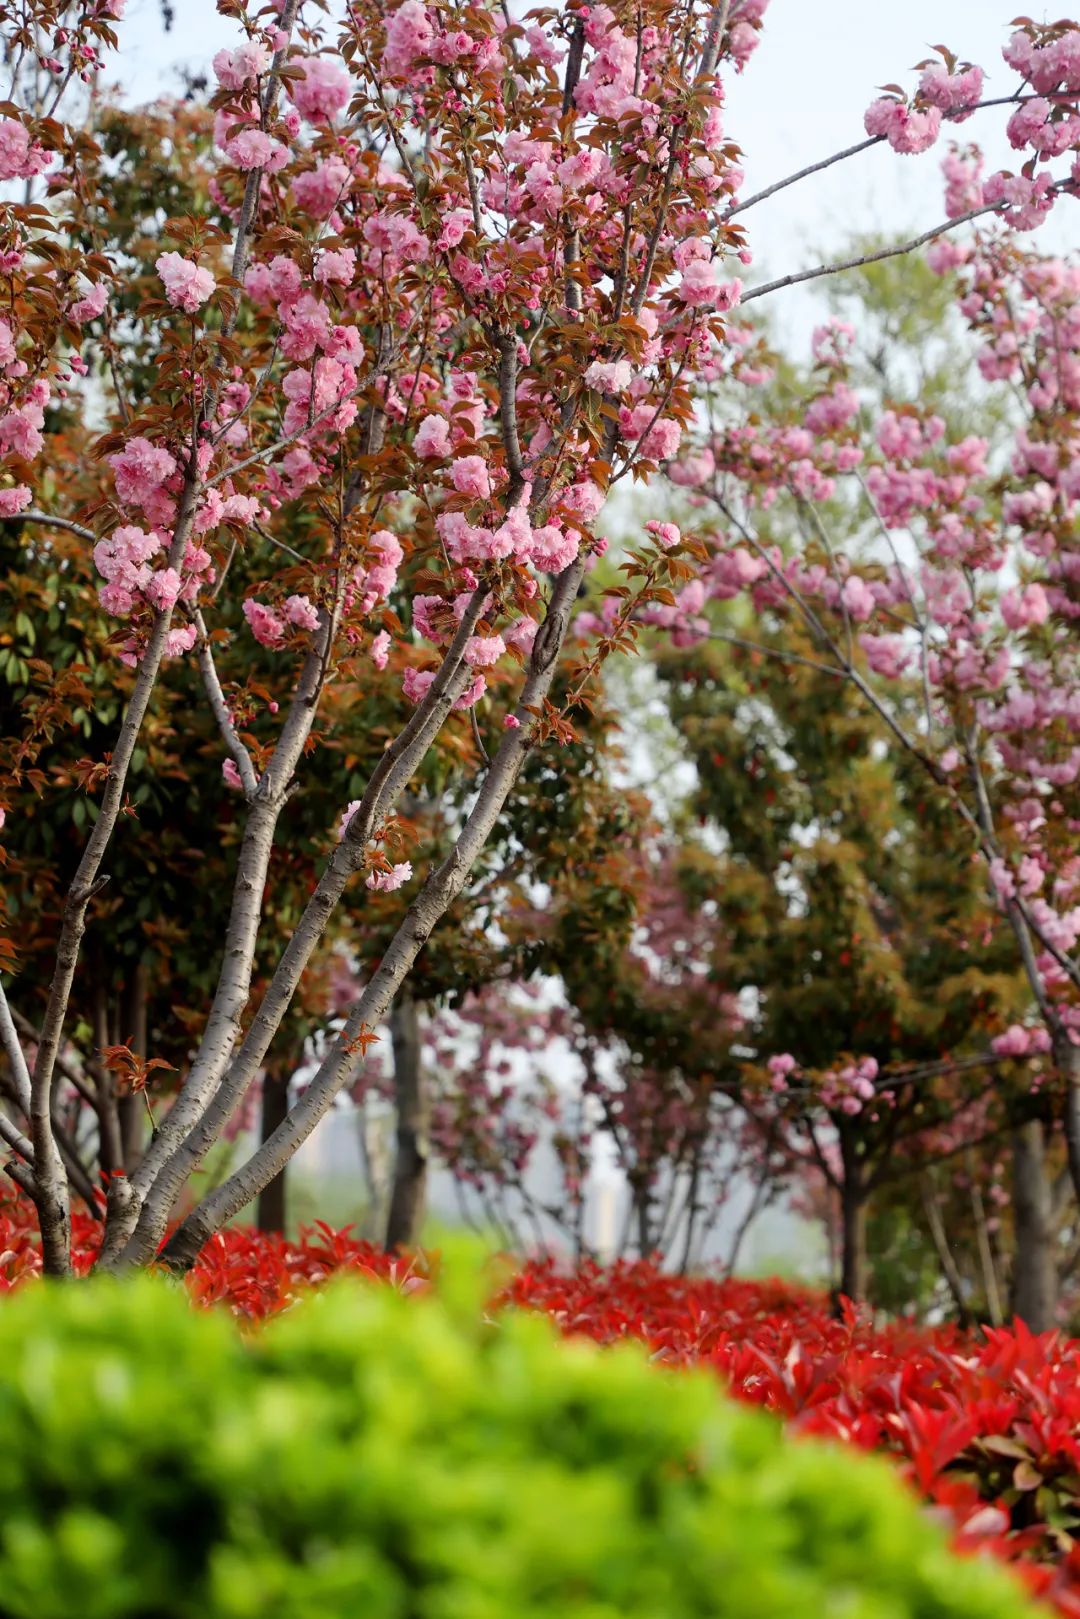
399 1458
987 1429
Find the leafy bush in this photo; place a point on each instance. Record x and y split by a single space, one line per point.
371 1454
986 1428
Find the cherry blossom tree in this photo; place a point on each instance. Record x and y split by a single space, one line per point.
446 279
626 1057
894 542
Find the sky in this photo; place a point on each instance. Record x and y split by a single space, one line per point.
803 96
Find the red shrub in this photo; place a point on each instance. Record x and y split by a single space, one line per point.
255 1274
987 1428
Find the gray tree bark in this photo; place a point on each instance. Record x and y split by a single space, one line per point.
438 893
1067 1059
222 1073
273 1199
409 1191
1034 1282
853 1261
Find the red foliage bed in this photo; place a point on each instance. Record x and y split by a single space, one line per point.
986 1427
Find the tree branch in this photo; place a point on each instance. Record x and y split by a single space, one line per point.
801 174
438 892
199 1114
48 521
508 423
220 708
9 1038
873 258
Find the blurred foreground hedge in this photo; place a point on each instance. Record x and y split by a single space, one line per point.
371 1455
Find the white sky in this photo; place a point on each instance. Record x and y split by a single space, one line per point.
804 94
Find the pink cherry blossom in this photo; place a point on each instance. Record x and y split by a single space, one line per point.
20 432
266 626
857 597
703 287
472 693
586 499
952 93
611 376
322 92
13 501
140 469
233 69
385 882
906 129
300 611
187 284
467 543
252 149
337 266
346 816
432 437
90 305
552 549
415 683
484 650
886 654
1002 879
320 190
1018 1041
177 642
162 589
781 1067
409 35
470 476
1020 609
19 158
666 535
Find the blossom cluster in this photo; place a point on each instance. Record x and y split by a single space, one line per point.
973 593
340 226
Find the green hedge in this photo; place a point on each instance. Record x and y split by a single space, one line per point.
384 1458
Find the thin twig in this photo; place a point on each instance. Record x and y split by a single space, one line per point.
779 653
801 174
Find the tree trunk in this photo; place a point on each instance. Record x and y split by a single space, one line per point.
644 1232
1067 1060
853 1252
939 1236
110 1135
375 1158
270 1211
131 1110
409 1190
691 1214
853 1266
986 1252
1034 1283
